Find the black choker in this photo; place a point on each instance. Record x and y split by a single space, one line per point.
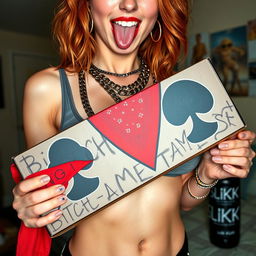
115 74
122 90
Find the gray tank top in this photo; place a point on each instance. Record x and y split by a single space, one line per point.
70 117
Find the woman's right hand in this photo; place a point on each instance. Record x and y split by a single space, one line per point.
31 202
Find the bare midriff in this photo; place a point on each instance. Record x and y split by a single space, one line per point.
145 223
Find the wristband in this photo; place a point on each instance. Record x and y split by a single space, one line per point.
192 195
201 184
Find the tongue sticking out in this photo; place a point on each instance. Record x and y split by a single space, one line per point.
124 35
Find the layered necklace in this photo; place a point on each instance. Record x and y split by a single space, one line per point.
113 89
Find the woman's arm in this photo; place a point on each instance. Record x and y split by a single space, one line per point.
40 106
42 101
232 158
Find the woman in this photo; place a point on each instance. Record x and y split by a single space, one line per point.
118 37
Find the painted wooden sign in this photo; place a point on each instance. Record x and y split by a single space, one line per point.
131 143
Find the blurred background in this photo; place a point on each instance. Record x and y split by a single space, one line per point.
26 46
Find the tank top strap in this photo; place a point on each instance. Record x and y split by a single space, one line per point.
70 115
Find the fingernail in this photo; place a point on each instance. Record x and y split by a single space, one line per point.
215 151
227 167
45 179
60 188
62 198
243 135
223 145
58 214
217 158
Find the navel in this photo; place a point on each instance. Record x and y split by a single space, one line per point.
141 245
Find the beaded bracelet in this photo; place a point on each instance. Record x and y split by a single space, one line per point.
192 195
201 184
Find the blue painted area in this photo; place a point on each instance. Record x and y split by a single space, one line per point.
202 130
236 35
187 98
82 187
185 168
66 150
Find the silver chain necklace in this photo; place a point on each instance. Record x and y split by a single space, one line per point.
113 89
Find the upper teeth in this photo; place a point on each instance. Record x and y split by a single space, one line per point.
126 23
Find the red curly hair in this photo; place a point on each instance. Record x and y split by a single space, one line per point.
71 28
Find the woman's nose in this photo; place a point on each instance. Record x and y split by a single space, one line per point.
128 5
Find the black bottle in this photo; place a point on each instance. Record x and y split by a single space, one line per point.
224 213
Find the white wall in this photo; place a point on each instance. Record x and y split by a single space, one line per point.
212 16
13 44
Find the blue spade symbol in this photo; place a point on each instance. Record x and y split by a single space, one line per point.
65 150
184 99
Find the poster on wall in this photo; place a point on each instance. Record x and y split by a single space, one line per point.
251 29
229 56
251 36
1 86
198 48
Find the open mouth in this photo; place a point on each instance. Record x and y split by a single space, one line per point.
125 30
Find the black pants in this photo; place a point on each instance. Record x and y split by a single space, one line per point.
183 251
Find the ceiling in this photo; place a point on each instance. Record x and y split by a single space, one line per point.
27 16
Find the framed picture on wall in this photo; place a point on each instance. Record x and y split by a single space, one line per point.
229 56
198 48
1 86
251 29
251 35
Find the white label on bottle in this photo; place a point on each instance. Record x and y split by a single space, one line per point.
225 193
224 215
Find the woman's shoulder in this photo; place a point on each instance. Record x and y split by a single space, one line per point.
41 105
43 87
45 78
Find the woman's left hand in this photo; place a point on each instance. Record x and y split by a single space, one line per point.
231 158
